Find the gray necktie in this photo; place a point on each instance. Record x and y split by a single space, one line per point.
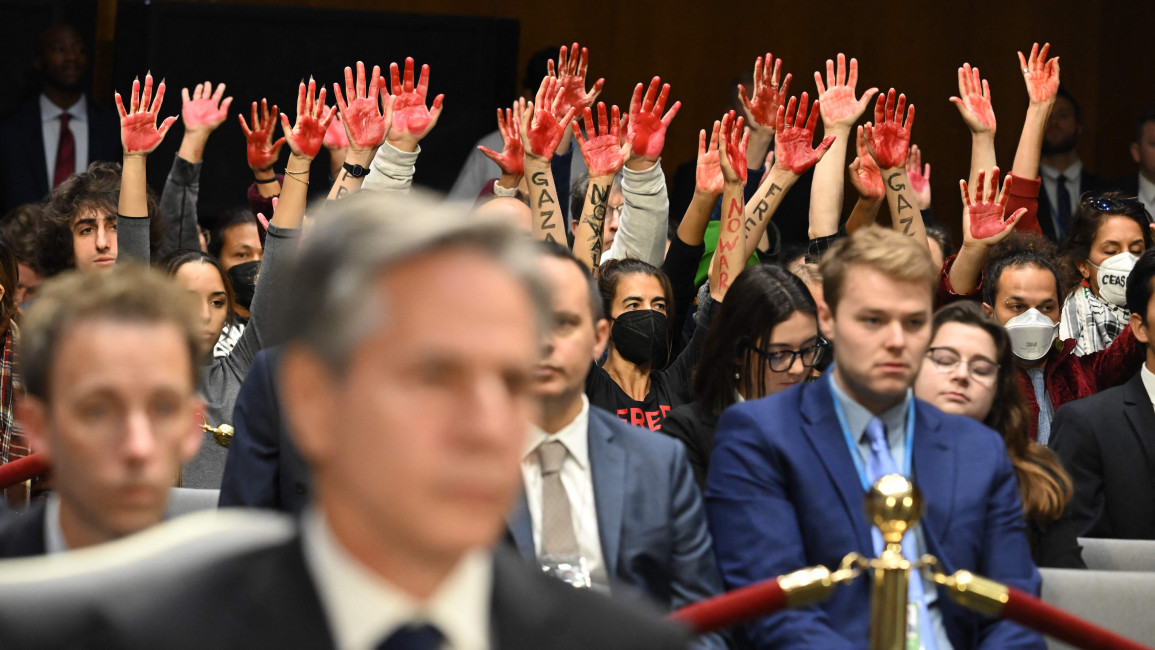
557 534
1046 410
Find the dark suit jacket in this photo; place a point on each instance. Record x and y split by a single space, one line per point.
1107 444
23 169
783 493
1087 183
22 535
267 599
263 468
650 516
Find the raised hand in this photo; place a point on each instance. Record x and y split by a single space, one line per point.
975 102
571 81
792 149
708 177
260 149
138 131
839 107
733 139
1040 74
919 177
412 120
888 139
336 137
313 119
983 217
205 110
762 106
364 123
541 132
865 175
512 156
646 125
602 149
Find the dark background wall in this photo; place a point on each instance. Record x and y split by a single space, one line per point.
478 49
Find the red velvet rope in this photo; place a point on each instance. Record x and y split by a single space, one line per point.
1031 612
22 469
733 608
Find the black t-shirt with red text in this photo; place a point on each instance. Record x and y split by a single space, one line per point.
669 388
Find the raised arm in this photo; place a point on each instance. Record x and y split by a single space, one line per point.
202 112
511 160
761 107
604 154
888 140
708 186
1041 76
304 140
866 177
974 104
336 142
645 213
139 136
570 76
919 176
793 155
261 150
840 110
540 134
730 254
365 123
395 162
983 227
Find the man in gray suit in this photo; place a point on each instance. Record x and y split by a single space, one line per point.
607 505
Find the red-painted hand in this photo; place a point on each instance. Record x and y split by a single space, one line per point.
262 219
336 137
572 82
1040 74
888 139
262 152
975 104
541 132
839 107
512 156
792 150
919 177
708 177
364 124
983 217
646 125
602 148
313 118
762 106
205 110
138 130
864 173
733 139
412 121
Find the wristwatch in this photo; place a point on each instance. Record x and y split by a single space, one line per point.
356 171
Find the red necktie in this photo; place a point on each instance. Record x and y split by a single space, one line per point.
65 153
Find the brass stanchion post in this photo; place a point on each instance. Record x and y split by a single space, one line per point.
894 506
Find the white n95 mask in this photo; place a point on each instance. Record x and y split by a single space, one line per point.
1031 334
1112 277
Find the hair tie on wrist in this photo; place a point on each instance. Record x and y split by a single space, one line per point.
267 180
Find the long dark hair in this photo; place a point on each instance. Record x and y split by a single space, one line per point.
761 297
176 259
1044 486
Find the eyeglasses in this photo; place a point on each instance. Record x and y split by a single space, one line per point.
945 360
783 360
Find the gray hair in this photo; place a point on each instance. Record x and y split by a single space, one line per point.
363 237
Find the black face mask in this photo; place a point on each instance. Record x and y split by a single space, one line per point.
244 279
640 337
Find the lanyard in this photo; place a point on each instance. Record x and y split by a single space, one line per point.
856 453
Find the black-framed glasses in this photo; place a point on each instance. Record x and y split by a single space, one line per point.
982 371
782 360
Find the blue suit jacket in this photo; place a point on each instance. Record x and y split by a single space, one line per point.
650 517
783 493
263 468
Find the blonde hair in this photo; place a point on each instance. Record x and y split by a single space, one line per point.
893 254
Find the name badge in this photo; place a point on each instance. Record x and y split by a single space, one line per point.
571 569
912 638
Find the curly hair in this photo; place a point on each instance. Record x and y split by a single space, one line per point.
20 229
95 189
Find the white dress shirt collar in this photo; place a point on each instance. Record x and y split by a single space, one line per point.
1072 173
1148 378
50 111
575 437
53 534
363 609
1147 195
